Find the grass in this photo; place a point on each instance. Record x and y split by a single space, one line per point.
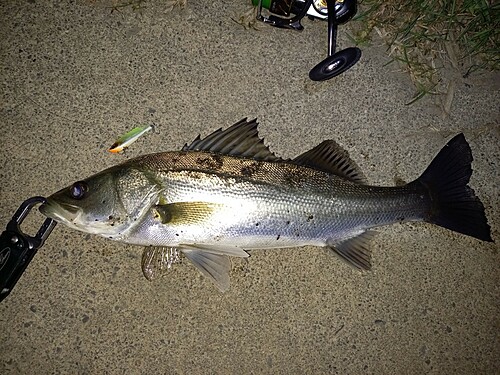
430 38
118 5
138 5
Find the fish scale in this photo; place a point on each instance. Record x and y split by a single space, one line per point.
256 209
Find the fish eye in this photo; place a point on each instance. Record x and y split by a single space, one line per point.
78 189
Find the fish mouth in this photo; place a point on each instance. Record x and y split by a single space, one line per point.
59 211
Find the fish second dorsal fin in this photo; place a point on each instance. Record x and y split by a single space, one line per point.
329 157
242 139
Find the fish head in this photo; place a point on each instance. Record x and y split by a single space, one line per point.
109 203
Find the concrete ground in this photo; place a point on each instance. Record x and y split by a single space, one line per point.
74 76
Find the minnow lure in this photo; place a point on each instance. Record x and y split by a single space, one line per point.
128 138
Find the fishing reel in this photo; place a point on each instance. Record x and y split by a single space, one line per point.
287 14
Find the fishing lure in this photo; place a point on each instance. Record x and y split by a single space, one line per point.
128 138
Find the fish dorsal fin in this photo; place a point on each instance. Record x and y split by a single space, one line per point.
354 250
329 157
241 139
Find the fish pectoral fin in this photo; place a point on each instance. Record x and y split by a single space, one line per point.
185 212
157 261
215 267
329 157
354 250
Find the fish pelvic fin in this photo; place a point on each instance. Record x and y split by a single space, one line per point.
213 261
454 204
215 267
354 250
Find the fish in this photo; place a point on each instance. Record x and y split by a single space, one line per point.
227 194
128 138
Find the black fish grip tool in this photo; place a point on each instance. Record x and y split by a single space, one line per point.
17 249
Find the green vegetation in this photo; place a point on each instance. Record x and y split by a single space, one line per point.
429 37
137 5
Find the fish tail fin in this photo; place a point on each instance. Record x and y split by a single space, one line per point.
453 203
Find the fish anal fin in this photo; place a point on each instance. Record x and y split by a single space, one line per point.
158 261
214 267
354 250
241 139
329 157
